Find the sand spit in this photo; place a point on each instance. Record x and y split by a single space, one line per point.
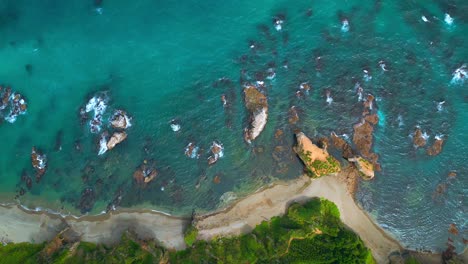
19 225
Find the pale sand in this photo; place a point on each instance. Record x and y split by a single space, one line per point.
248 213
18 225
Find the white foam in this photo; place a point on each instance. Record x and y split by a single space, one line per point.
383 66
459 75
271 74
425 135
11 118
345 25
439 136
99 10
440 106
91 104
400 121
448 19
424 19
329 99
127 121
367 77
278 26
102 145
175 127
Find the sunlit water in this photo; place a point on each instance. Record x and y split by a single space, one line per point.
162 60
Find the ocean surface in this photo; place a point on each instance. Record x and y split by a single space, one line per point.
165 60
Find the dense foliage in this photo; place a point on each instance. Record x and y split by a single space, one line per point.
308 233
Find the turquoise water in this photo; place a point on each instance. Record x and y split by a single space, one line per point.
161 60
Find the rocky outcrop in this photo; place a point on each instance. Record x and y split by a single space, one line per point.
13 103
365 168
316 160
257 105
363 132
116 138
145 173
436 148
340 144
217 152
419 139
120 120
39 163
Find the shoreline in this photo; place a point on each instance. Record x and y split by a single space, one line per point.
22 225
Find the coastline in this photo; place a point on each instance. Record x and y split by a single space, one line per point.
21 225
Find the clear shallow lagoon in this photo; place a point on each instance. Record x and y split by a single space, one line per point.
160 61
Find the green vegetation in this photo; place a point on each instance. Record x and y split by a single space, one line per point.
190 235
319 168
308 233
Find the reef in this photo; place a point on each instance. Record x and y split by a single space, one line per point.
363 132
340 144
316 160
39 163
256 103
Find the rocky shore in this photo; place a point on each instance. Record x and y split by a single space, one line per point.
20 225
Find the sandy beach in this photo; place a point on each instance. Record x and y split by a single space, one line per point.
19 225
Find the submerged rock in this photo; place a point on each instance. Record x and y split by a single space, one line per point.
317 160
436 148
365 168
120 120
293 115
256 103
116 138
39 163
87 200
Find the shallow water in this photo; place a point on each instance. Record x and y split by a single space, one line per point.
160 61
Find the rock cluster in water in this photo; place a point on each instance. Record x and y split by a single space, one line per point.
118 122
363 132
11 104
39 163
145 173
420 140
257 105
216 151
